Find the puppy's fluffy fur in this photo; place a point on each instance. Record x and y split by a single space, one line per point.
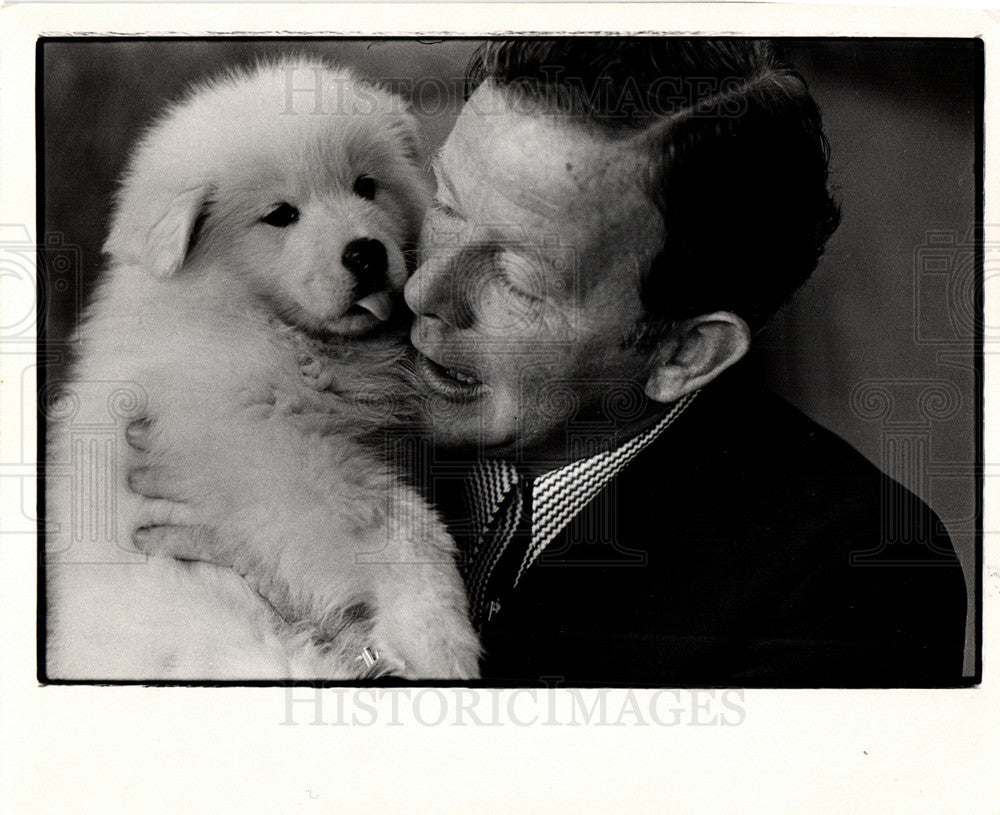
238 333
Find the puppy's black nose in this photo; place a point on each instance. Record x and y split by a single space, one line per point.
368 261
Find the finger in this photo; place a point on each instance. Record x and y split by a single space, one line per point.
138 434
183 542
156 481
161 512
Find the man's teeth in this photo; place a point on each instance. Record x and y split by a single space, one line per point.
436 372
468 380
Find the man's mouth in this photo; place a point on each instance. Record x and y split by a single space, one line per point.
453 383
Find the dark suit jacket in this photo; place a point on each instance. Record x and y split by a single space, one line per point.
746 546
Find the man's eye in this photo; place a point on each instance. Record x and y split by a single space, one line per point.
366 187
518 277
440 206
514 289
283 214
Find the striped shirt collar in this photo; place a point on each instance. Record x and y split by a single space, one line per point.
557 495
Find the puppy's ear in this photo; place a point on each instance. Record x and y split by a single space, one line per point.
410 136
155 224
419 188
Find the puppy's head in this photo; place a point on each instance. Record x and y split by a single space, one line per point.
296 182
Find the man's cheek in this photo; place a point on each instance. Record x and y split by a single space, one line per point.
562 326
543 327
544 396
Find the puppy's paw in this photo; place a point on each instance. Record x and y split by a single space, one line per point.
315 373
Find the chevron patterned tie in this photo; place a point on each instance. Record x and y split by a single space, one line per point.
519 516
499 550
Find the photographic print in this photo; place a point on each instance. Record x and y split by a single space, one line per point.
531 407
631 361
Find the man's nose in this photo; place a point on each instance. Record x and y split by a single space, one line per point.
433 290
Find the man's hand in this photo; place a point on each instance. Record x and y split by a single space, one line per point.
171 528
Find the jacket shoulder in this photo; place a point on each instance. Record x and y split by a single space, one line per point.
751 545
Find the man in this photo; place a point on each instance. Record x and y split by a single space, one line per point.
614 219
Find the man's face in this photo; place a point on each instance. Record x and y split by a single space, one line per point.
528 287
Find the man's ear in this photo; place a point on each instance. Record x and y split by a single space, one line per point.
694 353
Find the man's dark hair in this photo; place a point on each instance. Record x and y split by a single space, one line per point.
738 156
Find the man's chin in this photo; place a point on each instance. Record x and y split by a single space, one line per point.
463 426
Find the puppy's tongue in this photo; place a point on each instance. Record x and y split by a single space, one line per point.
379 304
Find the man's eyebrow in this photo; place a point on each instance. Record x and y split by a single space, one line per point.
442 176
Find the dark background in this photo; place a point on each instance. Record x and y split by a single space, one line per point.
878 346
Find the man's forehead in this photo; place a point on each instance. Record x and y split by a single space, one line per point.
542 161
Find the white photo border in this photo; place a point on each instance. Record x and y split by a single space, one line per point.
245 749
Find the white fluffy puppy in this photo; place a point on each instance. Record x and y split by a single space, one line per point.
255 260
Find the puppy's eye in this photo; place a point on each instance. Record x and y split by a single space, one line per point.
282 215
366 187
